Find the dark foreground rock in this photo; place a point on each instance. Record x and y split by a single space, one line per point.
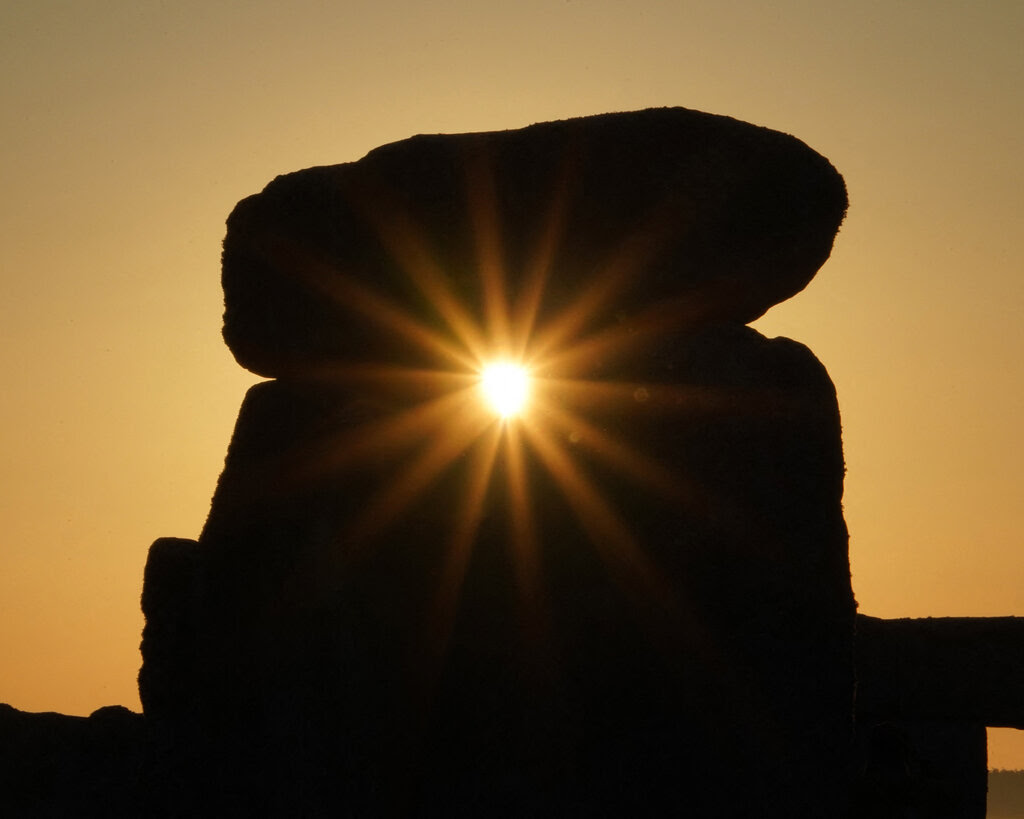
926 690
54 765
969 669
701 216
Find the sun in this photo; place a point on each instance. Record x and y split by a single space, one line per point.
506 387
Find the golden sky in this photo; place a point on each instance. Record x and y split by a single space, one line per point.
130 129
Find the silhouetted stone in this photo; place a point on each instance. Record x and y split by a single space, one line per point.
701 216
931 686
169 679
921 768
330 677
967 669
57 765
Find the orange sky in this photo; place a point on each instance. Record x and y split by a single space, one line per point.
129 133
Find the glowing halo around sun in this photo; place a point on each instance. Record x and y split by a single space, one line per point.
506 387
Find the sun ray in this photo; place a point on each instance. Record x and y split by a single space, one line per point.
389 503
542 661
643 469
344 291
576 315
597 394
524 533
663 397
482 201
656 325
593 397
467 522
667 618
611 536
607 344
395 379
375 439
638 249
539 269
410 249
357 296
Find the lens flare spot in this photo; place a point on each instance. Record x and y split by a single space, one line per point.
506 387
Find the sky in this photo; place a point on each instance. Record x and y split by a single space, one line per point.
130 130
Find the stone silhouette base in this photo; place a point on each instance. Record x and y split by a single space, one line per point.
905 764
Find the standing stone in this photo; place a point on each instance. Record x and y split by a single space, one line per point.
665 629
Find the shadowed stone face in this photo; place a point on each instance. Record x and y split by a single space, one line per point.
670 212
